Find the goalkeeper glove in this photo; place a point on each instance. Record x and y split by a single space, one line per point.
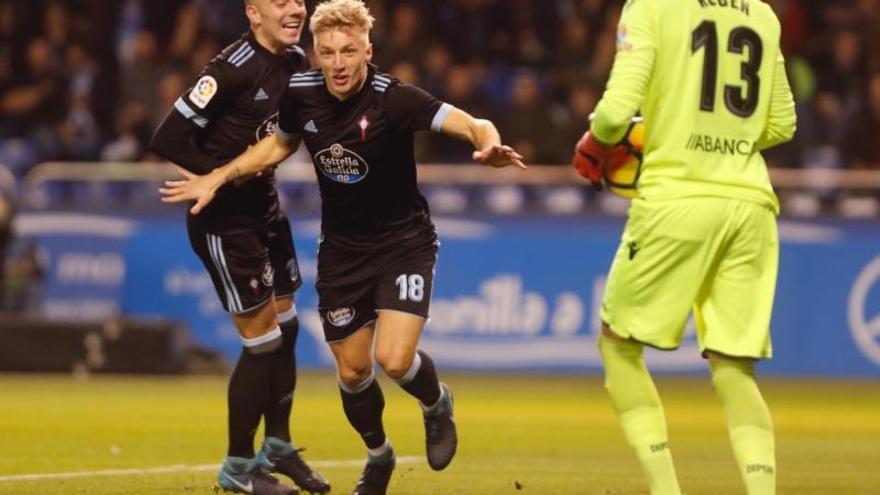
590 157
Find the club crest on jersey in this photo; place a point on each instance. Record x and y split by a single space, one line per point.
340 317
341 165
203 91
267 128
363 123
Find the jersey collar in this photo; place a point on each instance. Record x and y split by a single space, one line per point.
368 86
263 51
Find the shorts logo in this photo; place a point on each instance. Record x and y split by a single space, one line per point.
268 275
293 270
203 91
633 249
864 311
341 165
340 317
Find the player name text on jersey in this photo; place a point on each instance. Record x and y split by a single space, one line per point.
742 5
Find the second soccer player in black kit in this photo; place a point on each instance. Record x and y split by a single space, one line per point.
378 246
244 238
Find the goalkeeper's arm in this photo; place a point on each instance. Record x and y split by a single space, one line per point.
624 94
630 74
781 118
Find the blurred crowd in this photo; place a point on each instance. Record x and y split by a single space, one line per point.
88 80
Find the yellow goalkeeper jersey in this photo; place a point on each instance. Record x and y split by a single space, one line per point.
708 77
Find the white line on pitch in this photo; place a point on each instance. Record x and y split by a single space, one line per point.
177 468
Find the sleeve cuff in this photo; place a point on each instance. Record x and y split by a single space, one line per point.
440 117
287 136
181 106
606 131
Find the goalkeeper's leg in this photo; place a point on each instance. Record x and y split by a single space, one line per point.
638 407
748 421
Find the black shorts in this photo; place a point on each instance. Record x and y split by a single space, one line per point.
248 267
353 285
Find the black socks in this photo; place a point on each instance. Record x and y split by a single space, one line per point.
282 382
363 407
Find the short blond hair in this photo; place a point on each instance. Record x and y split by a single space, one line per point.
346 14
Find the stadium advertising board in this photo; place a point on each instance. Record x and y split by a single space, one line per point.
511 293
81 261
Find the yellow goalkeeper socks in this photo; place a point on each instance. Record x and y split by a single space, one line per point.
749 423
638 406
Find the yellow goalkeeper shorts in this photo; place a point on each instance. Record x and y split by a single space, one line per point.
716 256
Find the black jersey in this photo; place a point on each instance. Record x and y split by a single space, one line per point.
362 150
232 105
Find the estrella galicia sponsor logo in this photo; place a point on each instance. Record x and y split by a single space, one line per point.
341 165
267 128
340 317
864 311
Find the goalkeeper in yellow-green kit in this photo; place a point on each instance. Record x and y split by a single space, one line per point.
709 80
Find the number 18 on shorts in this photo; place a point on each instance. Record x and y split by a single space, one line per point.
351 296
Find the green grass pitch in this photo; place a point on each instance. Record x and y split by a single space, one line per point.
518 435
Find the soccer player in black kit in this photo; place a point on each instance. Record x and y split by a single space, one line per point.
244 238
378 246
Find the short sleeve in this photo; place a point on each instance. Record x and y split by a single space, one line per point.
288 117
413 108
215 88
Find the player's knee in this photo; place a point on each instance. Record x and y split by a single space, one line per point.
609 333
285 308
611 344
352 377
395 364
263 344
617 353
257 322
725 369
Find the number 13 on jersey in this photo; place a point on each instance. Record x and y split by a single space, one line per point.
740 100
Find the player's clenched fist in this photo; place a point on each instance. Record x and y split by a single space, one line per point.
589 159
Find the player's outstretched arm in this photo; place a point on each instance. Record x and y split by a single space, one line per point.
485 138
202 188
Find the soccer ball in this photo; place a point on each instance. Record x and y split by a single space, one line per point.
624 164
